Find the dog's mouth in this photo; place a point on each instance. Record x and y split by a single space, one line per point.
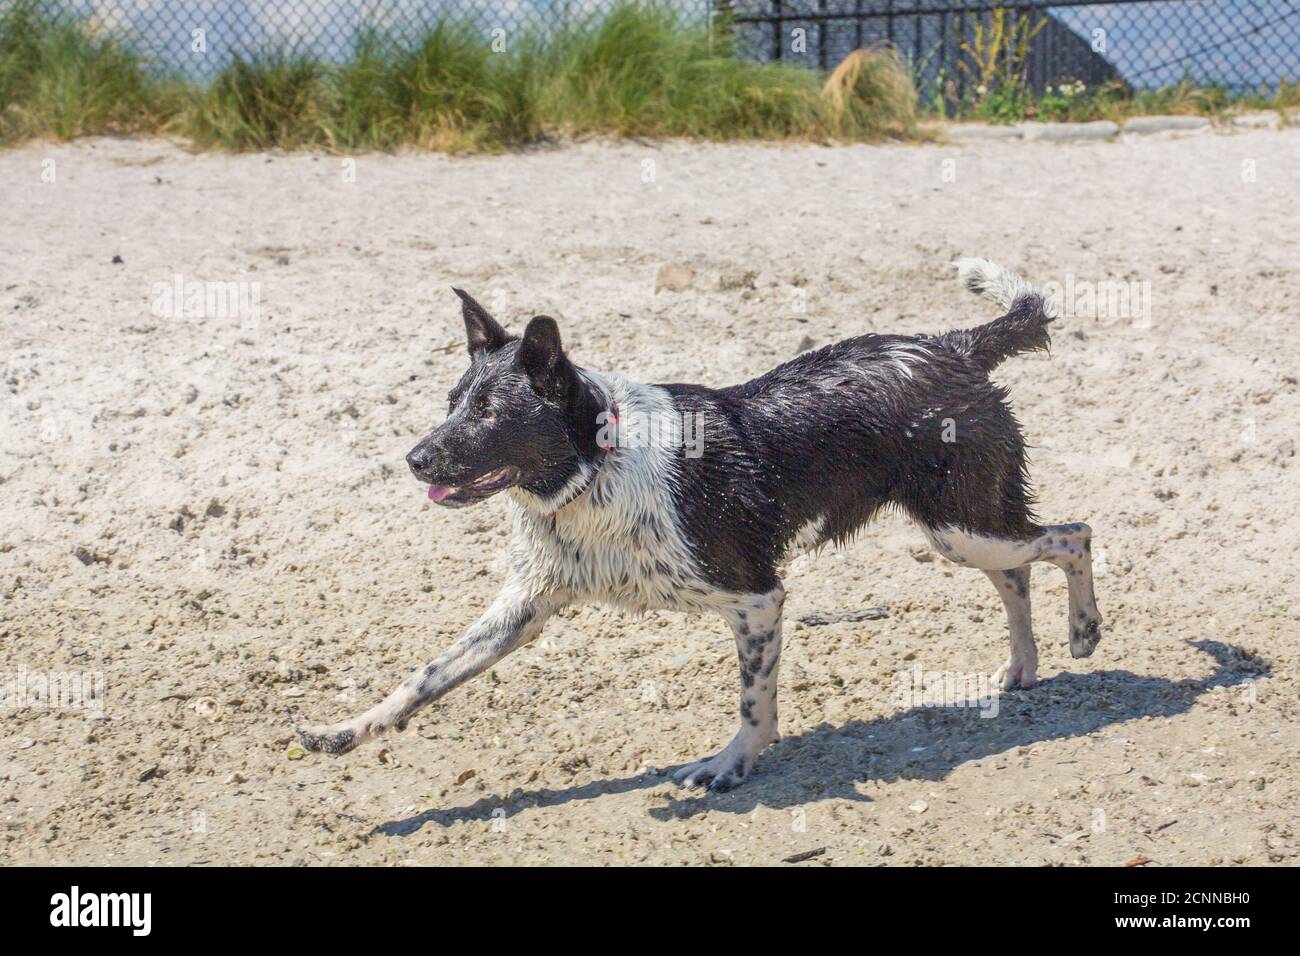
485 486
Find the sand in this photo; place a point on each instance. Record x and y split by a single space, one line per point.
206 506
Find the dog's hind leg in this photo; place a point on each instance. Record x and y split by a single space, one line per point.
755 620
1068 546
511 622
1021 669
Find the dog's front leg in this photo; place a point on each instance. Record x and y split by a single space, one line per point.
512 621
756 621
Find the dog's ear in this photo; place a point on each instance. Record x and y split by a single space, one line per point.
540 353
481 330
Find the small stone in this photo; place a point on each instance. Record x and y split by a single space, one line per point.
465 775
920 806
738 280
674 278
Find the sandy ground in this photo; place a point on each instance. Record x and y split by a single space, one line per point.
211 511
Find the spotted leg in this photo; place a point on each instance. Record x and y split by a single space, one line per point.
1068 546
1021 669
755 620
511 622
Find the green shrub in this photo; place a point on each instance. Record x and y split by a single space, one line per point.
60 78
274 98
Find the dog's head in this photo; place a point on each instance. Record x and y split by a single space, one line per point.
522 416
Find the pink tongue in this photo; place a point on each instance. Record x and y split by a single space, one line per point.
438 492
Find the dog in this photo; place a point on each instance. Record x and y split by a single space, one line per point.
800 457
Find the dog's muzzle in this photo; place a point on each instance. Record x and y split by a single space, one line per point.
422 461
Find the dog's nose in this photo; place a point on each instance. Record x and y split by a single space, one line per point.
419 458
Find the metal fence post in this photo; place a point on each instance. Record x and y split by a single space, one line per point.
778 31
823 25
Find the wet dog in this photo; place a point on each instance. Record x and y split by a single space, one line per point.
611 503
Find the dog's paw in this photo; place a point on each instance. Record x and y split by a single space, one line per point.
719 774
329 740
1085 633
1017 673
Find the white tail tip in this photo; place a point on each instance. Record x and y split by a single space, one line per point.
992 281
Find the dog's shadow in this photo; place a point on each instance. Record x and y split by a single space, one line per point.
920 743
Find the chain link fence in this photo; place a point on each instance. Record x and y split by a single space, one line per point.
1244 45
198 37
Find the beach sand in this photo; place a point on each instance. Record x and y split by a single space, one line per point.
206 505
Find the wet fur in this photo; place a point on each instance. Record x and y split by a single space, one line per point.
803 455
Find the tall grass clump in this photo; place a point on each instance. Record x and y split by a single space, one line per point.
272 98
361 114
62 78
639 71
449 91
871 95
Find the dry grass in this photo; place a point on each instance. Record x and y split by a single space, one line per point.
871 94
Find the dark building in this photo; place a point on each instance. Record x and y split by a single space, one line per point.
929 33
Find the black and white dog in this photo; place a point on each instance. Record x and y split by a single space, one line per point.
801 456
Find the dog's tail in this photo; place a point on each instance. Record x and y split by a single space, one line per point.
1022 329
